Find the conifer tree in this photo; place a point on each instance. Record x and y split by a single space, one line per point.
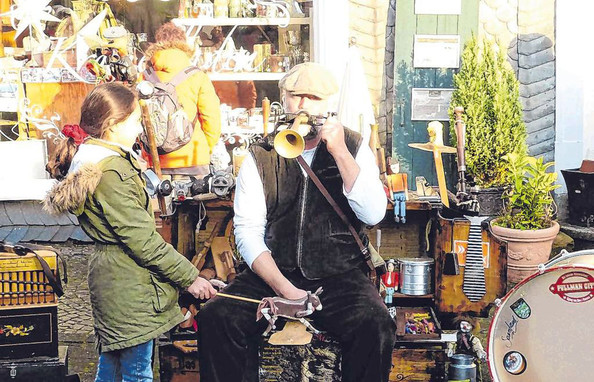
488 90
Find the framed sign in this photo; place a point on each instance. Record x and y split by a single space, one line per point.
438 7
436 51
430 104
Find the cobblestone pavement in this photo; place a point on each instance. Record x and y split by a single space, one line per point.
75 323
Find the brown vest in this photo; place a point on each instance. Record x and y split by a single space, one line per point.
302 229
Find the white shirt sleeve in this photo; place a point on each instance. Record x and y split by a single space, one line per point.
367 197
250 212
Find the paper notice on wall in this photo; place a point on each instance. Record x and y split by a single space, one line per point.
438 7
436 51
430 104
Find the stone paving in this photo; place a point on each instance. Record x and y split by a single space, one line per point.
75 323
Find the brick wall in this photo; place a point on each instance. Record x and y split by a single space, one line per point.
367 24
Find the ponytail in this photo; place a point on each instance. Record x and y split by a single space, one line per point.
59 164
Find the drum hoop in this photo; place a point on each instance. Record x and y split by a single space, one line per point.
490 361
565 255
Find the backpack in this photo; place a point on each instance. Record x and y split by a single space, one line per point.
173 128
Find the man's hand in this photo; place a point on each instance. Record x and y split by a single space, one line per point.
293 293
332 133
201 288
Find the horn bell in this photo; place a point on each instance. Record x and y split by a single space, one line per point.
289 144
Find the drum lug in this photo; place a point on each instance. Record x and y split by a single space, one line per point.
498 302
541 268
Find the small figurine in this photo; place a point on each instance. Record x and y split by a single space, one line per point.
466 342
389 282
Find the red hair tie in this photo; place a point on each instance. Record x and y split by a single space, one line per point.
74 132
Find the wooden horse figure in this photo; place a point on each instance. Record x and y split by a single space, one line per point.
274 307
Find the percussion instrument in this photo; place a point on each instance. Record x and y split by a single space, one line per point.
541 328
415 275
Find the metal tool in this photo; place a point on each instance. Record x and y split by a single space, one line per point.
464 200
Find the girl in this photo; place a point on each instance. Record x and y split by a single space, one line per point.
134 275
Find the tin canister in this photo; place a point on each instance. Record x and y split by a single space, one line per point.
462 368
415 275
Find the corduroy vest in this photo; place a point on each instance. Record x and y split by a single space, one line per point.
302 229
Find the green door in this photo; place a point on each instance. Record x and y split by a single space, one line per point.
408 24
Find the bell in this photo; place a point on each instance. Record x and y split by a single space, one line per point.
289 143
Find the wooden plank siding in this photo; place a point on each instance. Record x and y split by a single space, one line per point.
405 131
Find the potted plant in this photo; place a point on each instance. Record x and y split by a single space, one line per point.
487 89
527 222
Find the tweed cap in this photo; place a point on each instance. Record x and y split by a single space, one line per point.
309 78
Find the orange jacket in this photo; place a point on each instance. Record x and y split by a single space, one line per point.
195 95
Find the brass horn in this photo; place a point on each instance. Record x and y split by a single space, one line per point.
289 143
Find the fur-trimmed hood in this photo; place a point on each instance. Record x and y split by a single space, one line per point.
84 174
69 194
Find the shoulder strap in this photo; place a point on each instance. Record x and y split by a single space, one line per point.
151 75
183 75
364 250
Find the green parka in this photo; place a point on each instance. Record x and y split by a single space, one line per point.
134 275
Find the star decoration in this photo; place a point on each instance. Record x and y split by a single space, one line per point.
30 14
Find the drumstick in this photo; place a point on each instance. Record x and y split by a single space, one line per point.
239 298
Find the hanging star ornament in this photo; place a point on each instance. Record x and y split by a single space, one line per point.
30 14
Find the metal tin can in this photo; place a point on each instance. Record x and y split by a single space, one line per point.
415 275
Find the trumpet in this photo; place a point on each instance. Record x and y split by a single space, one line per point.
289 142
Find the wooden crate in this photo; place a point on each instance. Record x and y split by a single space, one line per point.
29 332
418 365
22 282
176 366
38 369
451 235
404 313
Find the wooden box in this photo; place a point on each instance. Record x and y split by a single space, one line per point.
451 236
22 282
422 323
176 366
29 332
38 369
418 365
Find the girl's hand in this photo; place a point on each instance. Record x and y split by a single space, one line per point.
201 288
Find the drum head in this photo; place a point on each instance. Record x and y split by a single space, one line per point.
542 330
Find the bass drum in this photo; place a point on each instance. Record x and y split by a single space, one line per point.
542 329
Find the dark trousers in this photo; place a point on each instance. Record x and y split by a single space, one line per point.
353 313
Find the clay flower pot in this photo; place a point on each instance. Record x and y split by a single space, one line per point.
526 249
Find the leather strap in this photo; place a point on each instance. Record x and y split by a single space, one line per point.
364 249
54 281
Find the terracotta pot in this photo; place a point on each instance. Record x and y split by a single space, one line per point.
526 249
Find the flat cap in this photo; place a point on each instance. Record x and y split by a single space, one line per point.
309 78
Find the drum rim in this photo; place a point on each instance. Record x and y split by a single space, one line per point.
416 260
538 273
563 255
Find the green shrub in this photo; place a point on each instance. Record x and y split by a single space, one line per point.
489 92
528 199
